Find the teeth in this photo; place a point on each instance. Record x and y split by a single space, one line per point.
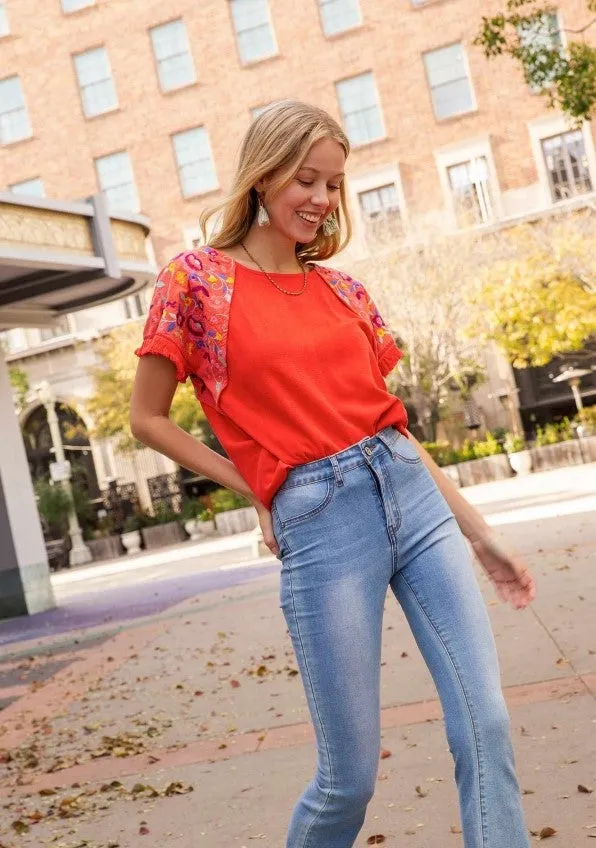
311 219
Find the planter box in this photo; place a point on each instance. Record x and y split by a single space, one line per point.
588 446
484 470
108 548
236 520
557 456
161 535
452 471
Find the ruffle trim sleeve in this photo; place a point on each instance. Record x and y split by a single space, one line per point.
159 345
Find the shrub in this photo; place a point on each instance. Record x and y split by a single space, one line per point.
206 514
53 504
223 500
442 452
489 447
136 521
552 433
513 443
587 418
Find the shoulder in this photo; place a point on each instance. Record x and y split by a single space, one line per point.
198 263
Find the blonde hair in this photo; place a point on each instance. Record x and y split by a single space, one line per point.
277 142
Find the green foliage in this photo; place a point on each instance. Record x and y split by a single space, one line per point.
587 418
162 514
553 433
489 447
536 304
442 452
20 384
136 521
206 514
112 389
191 508
53 504
223 500
513 443
566 78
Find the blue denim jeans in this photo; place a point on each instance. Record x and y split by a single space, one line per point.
349 526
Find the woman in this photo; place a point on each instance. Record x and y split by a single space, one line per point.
288 360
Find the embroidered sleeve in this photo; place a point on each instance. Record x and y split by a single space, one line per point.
171 328
388 353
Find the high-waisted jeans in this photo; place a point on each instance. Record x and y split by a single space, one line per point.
349 526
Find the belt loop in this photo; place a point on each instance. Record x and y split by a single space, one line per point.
336 470
389 442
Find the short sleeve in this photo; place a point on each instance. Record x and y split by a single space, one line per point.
388 353
165 331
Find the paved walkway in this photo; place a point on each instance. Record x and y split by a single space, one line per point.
105 732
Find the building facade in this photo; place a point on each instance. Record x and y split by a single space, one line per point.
148 102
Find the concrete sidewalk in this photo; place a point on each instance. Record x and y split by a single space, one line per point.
206 694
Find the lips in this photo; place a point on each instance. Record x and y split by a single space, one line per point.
308 217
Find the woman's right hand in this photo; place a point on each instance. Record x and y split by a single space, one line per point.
266 522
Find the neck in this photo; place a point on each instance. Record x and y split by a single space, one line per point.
275 252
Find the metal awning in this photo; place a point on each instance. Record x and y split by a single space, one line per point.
59 257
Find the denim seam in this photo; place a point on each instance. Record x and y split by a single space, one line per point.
315 477
305 516
314 698
467 703
281 532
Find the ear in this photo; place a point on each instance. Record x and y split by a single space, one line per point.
262 185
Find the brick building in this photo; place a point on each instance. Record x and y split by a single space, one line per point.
149 100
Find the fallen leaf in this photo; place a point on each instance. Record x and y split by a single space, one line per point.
585 789
422 793
385 753
455 829
144 830
546 832
377 839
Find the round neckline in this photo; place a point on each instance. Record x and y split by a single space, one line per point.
243 267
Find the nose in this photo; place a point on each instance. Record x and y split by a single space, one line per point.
319 196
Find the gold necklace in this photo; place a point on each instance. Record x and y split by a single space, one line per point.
271 280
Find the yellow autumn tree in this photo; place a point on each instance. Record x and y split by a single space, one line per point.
113 379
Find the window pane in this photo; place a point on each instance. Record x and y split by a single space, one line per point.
4 24
116 179
254 33
567 165
470 187
73 5
359 105
94 74
172 52
378 201
14 119
447 76
339 15
29 188
195 162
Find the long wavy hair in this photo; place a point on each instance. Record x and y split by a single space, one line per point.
276 144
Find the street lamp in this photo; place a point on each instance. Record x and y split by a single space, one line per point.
60 473
573 376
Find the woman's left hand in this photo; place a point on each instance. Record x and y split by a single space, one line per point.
512 579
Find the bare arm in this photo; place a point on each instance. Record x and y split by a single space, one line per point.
471 522
153 390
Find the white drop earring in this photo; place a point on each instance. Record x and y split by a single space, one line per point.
263 219
330 226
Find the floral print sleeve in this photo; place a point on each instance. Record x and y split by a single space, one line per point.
170 314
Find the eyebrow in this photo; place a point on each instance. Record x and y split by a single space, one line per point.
316 171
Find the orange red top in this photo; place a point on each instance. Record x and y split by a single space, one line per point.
304 378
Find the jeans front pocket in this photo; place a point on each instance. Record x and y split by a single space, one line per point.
405 450
299 502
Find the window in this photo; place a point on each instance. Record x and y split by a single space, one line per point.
98 92
566 165
133 307
175 66
14 118
195 162
74 5
56 331
448 79
339 15
254 33
360 109
380 211
470 188
29 188
4 25
115 176
537 36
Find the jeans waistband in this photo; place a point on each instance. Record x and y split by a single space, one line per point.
334 464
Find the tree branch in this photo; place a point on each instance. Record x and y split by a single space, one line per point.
581 29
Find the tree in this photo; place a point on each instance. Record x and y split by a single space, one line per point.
527 31
20 385
113 380
422 289
539 300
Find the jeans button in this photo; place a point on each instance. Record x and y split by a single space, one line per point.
368 451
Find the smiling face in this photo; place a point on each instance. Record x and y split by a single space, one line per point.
300 208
